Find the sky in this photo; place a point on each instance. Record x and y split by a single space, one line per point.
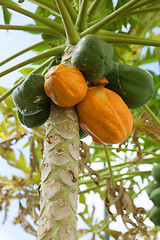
10 43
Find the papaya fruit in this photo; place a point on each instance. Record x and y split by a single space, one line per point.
154 215
34 120
54 62
133 84
155 197
65 85
30 97
104 116
151 187
156 173
82 134
93 57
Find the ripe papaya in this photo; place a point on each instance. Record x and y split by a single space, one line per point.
155 197
151 187
104 116
154 215
34 120
133 84
30 97
93 57
156 173
65 85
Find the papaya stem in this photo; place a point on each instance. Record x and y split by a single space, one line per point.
81 22
36 70
25 50
71 32
57 51
72 12
36 29
109 165
97 26
53 25
153 116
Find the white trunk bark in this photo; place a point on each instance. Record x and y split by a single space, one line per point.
59 176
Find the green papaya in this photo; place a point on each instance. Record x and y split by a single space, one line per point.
93 57
156 173
34 120
154 215
155 197
30 97
151 187
133 84
54 62
82 134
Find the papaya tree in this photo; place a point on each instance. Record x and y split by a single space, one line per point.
87 79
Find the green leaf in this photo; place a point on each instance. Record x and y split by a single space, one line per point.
6 15
149 57
22 164
43 13
26 71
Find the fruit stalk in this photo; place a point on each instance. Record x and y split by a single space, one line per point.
109 165
72 34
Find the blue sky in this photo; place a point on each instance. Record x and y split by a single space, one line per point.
10 43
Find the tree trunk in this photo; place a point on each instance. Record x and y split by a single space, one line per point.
59 176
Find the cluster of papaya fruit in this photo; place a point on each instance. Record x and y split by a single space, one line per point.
153 191
101 89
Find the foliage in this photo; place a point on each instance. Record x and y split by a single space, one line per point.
128 31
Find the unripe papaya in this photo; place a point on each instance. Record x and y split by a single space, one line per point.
34 120
82 134
93 57
156 173
151 187
155 197
154 215
30 97
54 62
133 84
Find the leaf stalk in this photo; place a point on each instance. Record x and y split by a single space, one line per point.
97 26
57 51
71 32
153 116
53 25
